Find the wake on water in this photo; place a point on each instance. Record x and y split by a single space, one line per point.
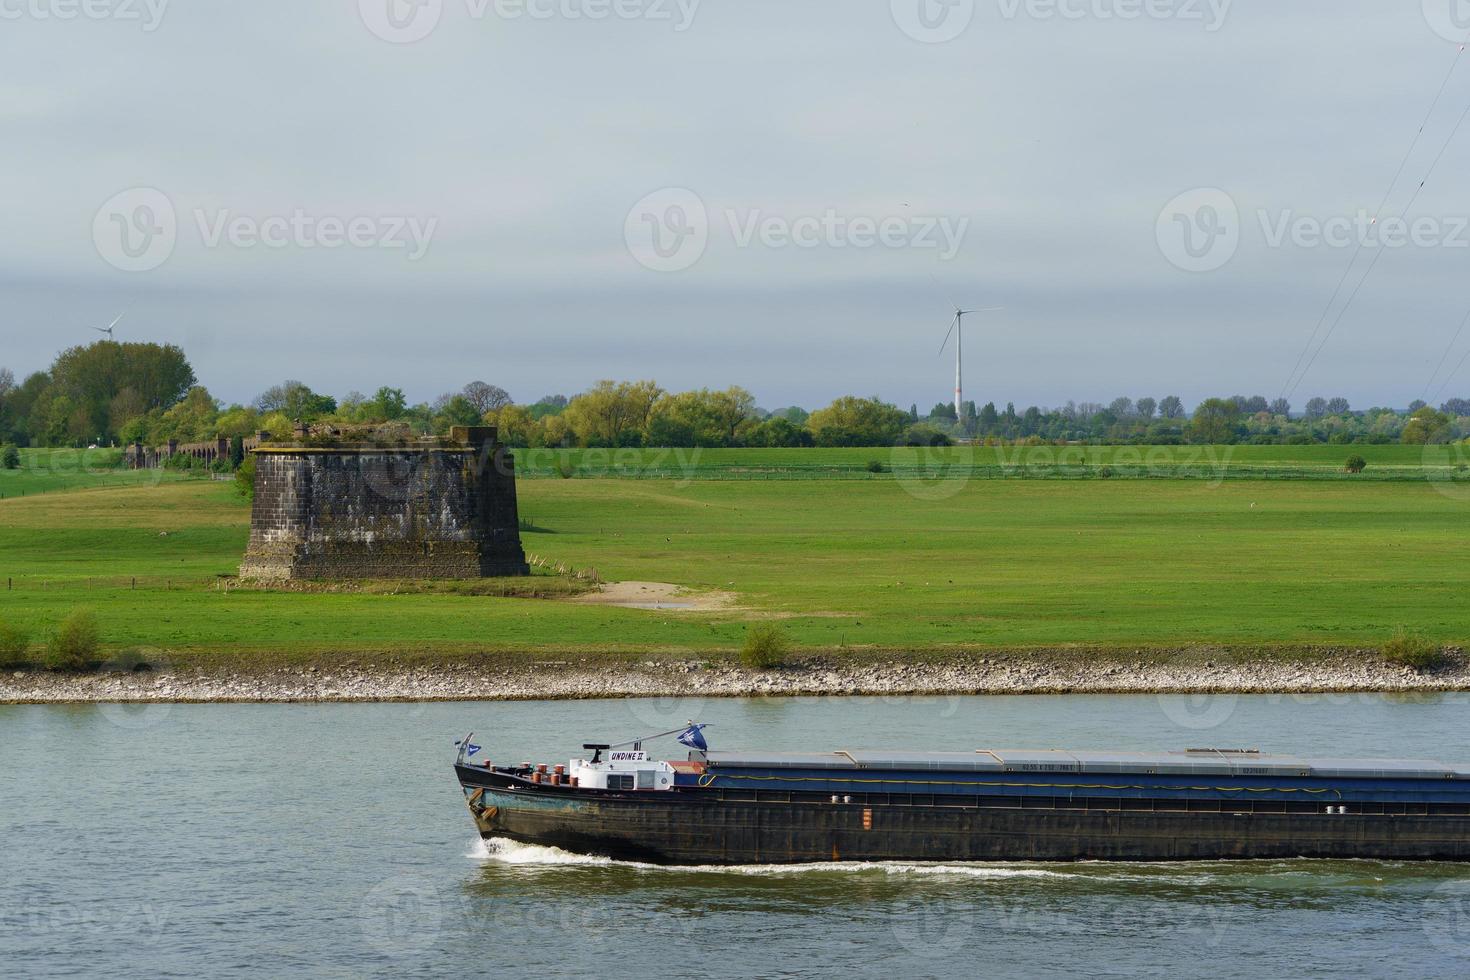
510 853
501 851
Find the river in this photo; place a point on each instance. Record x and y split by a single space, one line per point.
331 840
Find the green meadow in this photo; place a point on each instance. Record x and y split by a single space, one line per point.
50 470
1447 463
889 564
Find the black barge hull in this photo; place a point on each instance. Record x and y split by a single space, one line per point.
697 827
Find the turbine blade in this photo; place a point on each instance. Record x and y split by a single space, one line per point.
946 295
116 321
948 335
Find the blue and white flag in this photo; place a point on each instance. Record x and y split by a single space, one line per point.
471 749
694 738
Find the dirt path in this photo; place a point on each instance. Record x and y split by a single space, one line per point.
657 595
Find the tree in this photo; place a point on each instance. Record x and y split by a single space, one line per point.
10 458
1416 404
514 423
1425 426
90 378
1458 407
778 432
1121 408
924 434
458 410
1356 464
1145 407
1170 407
1250 404
7 382
730 409
914 412
191 420
850 421
989 418
944 410
608 410
701 418
1214 422
296 401
486 398
794 414
1338 406
1282 407
386 405
1316 408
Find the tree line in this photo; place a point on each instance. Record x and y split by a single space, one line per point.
114 393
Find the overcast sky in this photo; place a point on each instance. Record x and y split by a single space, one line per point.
782 194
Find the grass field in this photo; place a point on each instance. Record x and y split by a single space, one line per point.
1391 462
49 470
847 566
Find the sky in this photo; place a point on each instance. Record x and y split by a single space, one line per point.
1161 194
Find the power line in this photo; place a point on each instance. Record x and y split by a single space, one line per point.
1454 131
1288 387
1444 357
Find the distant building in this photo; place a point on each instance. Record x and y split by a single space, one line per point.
329 507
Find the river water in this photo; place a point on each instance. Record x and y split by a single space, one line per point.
331 840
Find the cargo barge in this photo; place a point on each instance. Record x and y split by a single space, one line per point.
985 805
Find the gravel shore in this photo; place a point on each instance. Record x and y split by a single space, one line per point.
680 679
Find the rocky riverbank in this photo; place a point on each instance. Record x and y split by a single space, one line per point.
698 679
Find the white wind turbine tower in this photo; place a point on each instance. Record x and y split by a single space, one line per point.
957 330
108 329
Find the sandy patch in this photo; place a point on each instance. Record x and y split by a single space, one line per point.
663 596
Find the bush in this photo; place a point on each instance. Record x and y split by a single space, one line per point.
15 645
75 644
876 466
1413 651
1106 472
10 458
245 479
1356 464
765 646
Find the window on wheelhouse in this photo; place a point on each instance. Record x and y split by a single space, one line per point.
619 780
645 778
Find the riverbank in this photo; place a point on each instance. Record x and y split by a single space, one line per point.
566 680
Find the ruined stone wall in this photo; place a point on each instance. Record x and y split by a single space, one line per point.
444 510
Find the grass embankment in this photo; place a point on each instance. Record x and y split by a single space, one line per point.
848 567
1438 463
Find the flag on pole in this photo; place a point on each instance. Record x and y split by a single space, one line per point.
694 738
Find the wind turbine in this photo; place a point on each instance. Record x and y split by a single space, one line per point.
957 331
108 329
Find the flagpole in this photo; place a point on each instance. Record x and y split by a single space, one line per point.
673 731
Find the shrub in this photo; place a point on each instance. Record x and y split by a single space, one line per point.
765 646
245 479
10 458
75 643
876 466
1413 651
15 644
566 470
1106 472
1356 464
